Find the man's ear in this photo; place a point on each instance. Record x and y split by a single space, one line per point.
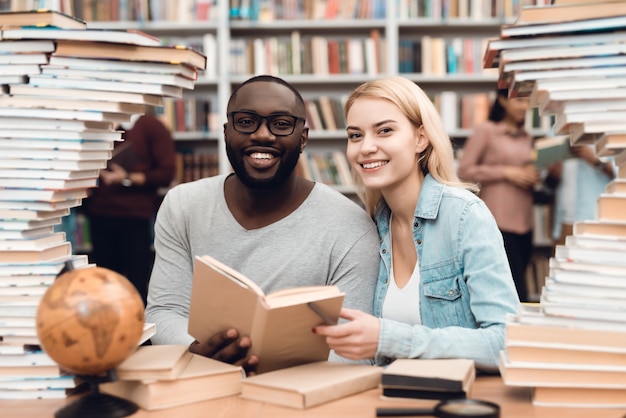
304 138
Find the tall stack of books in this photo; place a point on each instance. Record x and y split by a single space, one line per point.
568 58
65 88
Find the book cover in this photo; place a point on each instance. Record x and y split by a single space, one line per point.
155 362
561 28
50 252
279 324
547 151
122 76
26 101
451 375
137 66
40 18
579 397
174 54
201 379
129 36
71 93
522 351
311 384
601 228
569 12
536 374
610 143
610 207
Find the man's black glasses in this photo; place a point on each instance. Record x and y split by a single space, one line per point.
278 124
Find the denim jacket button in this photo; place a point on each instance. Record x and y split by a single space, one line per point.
419 242
384 251
451 292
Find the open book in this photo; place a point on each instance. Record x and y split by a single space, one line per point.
279 324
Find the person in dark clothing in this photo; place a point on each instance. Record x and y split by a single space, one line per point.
121 209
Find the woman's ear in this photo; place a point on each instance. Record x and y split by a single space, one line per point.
422 140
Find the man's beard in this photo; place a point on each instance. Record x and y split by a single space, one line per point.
286 166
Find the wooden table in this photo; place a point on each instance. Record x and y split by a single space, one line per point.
514 403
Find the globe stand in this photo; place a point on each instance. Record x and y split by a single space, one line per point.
96 404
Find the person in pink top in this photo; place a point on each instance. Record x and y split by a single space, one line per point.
498 156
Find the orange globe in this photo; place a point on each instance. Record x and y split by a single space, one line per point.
90 320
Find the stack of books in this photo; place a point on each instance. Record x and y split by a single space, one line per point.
165 376
569 59
571 346
65 88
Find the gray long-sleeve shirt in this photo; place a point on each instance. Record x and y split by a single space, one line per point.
327 240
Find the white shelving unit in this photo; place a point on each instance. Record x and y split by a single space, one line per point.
391 28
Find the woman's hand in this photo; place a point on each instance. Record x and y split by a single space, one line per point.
356 339
524 177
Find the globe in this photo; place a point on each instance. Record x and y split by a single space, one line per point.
90 320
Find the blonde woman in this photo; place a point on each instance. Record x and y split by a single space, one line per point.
444 284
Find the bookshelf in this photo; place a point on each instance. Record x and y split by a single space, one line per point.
247 37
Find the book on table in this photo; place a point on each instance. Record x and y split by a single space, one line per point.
600 228
279 324
569 12
521 351
26 173
616 186
171 54
40 18
71 93
610 207
201 379
32 243
561 374
495 46
611 142
45 253
606 24
31 215
119 65
59 184
429 378
579 397
25 101
120 76
154 362
311 384
79 83
128 36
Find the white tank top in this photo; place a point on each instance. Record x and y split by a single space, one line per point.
403 305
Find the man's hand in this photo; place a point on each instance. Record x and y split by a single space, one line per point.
356 339
228 347
114 175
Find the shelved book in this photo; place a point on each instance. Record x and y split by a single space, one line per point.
279 323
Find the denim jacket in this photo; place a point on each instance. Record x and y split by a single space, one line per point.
466 286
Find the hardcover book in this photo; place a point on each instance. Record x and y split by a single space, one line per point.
311 384
40 18
155 362
428 378
201 379
279 324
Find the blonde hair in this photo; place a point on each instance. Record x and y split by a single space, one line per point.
438 158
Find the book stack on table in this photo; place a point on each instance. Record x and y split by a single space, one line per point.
64 88
568 58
